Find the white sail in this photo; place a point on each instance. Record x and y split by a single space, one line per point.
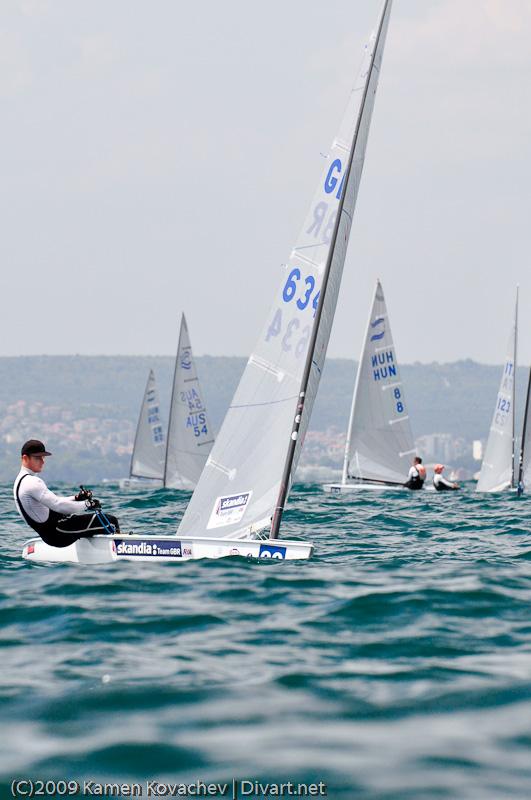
147 460
379 440
190 437
239 488
497 469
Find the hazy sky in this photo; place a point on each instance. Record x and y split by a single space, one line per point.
161 156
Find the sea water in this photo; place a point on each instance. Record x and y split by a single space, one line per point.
396 663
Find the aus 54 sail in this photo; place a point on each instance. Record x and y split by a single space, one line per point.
247 477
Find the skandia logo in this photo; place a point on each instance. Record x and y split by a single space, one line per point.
157 548
235 501
229 509
141 548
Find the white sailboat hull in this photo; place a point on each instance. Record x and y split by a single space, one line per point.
350 488
133 547
139 483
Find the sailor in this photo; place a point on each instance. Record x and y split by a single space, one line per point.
440 483
59 521
416 475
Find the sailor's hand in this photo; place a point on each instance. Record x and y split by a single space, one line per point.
83 494
92 503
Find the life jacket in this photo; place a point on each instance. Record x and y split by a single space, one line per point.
47 530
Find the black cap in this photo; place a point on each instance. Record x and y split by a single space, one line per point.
33 447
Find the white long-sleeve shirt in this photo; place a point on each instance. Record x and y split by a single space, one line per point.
438 479
37 499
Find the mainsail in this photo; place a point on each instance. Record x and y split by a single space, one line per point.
497 469
379 439
147 460
249 472
190 436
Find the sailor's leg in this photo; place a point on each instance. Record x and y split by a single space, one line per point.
84 525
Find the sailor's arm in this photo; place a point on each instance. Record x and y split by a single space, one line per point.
63 505
448 483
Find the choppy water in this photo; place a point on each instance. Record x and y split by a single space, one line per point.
394 664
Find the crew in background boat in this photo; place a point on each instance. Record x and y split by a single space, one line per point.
416 475
59 521
440 483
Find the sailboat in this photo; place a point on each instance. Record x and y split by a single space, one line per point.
243 489
524 461
498 466
190 436
178 462
147 459
379 440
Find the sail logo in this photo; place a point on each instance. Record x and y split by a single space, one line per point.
155 548
186 358
271 551
375 324
229 509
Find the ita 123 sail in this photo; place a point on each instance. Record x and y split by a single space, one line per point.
250 469
497 469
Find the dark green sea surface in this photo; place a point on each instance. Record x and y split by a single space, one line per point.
396 663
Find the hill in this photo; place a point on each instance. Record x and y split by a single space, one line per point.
85 407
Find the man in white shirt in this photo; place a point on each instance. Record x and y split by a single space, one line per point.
440 482
59 521
416 475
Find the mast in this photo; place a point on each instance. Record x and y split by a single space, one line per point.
151 376
170 419
286 475
514 384
356 390
524 432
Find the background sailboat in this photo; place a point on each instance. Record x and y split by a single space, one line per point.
497 469
190 436
175 461
379 441
149 449
247 477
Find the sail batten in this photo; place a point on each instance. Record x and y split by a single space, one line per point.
258 436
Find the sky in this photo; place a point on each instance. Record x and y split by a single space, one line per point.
161 157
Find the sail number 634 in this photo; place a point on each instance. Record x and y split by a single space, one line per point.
293 287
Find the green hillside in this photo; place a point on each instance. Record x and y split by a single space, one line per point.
453 398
